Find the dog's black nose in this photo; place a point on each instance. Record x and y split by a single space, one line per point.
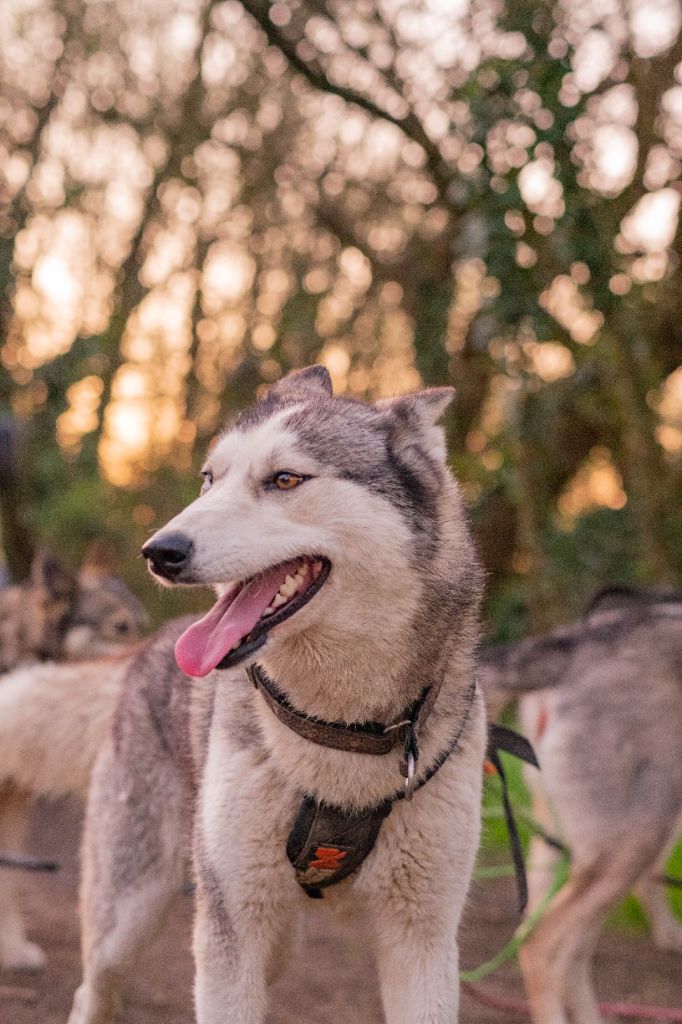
168 554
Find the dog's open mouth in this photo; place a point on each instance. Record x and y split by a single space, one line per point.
239 622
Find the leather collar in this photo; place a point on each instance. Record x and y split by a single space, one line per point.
373 738
361 738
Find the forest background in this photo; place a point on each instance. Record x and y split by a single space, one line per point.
198 196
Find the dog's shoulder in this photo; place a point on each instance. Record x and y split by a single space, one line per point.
156 695
162 706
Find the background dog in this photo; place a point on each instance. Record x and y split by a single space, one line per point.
605 717
57 613
53 717
335 537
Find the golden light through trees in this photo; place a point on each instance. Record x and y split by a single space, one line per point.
197 196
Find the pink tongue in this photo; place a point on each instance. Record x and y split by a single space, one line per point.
206 642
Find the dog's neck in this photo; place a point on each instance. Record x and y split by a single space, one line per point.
351 677
321 686
386 638
365 683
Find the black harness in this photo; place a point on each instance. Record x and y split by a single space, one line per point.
328 843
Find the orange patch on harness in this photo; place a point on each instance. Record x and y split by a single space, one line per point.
489 768
328 858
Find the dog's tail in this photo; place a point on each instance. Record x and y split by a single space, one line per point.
510 669
621 596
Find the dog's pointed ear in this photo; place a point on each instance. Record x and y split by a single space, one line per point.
98 563
415 417
311 380
48 572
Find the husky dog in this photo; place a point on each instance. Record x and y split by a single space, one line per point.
53 717
334 535
602 705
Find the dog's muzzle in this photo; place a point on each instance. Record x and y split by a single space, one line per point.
168 554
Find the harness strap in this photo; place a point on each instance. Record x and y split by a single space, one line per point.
445 754
327 843
25 863
502 738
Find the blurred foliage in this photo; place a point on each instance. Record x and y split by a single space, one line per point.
198 196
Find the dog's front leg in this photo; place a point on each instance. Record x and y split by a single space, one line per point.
16 952
416 917
419 976
235 945
416 883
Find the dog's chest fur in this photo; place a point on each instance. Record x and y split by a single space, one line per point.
245 775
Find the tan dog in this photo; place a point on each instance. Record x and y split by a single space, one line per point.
601 700
53 718
334 534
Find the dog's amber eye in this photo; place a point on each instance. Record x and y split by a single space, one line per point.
287 481
208 480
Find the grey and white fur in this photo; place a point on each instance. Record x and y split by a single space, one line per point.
601 701
205 765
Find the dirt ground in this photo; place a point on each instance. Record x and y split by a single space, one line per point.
330 980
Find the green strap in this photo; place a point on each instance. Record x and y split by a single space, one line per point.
523 931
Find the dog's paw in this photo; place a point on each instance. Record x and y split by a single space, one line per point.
25 957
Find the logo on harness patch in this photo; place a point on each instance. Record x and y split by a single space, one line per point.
328 858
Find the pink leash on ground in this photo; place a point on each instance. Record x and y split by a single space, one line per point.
507 1004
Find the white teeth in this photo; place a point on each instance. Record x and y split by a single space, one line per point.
292 584
289 586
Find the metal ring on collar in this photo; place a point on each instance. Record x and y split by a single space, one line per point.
398 725
411 780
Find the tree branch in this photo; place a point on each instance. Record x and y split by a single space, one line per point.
410 124
332 216
188 132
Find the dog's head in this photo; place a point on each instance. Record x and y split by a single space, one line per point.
318 514
64 614
105 614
